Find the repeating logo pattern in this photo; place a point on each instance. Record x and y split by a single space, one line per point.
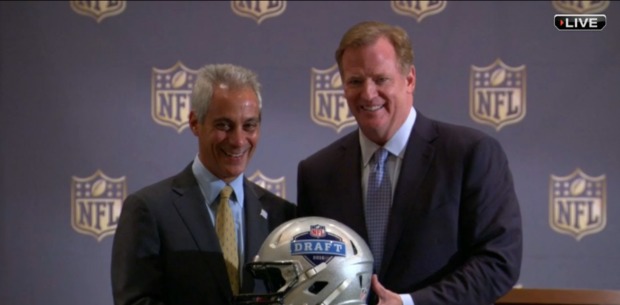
580 7
276 186
497 94
577 204
317 245
328 107
96 203
171 91
258 10
99 10
418 9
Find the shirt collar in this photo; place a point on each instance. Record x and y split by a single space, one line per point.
396 145
211 186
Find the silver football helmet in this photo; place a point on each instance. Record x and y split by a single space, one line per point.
312 260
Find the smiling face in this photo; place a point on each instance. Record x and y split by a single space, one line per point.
229 134
379 95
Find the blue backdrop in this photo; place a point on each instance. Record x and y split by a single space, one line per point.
94 101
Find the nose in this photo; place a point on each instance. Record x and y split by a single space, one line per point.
236 137
369 90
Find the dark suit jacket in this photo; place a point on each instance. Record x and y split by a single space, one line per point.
454 233
166 250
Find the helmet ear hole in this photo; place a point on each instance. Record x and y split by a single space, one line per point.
317 287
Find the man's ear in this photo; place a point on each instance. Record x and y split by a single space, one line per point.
193 123
411 80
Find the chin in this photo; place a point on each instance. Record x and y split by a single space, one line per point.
372 124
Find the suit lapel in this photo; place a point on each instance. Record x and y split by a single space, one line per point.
415 165
192 209
256 230
348 185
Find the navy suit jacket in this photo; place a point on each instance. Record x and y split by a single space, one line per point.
454 233
166 251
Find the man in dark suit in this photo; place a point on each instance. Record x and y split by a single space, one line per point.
451 230
166 249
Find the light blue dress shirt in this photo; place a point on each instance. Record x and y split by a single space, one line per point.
211 186
396 146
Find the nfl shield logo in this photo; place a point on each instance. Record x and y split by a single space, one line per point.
580 7
170 95
328 107
257 9
497 94
99 10
96 203
418 9
317 231
276 186
577 204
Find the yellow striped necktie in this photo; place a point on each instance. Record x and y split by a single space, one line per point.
225 229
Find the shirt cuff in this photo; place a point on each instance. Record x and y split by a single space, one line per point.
407 299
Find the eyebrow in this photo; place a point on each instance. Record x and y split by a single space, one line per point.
253 119
226 119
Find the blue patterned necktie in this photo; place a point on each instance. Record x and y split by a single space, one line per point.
378 203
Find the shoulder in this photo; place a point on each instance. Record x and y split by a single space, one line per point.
165 188
452 136
468 147
266 196
432 127
272 202
154 190
327 153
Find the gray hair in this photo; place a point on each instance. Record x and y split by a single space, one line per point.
210 76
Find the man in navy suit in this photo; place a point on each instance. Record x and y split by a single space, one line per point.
166 250
452 234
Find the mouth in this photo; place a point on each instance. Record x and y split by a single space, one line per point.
234 155
372 108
